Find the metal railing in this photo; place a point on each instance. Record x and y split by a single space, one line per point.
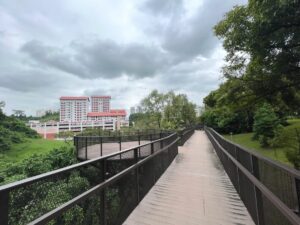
89 147
269 190
102 191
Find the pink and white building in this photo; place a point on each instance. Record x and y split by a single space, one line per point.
100 103
114 114
73 109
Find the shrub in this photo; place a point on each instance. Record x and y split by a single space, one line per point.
293 153
266 124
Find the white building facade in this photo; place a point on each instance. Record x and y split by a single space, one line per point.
73 109
100 103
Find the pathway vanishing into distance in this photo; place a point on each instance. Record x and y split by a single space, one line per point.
194 190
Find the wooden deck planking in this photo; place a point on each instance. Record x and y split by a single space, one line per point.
194 190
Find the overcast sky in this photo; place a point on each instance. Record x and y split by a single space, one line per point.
120 48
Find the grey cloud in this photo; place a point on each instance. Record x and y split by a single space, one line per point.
189 36
53 57
105 59
112 60
23 80
163 8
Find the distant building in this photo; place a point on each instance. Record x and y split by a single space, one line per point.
199 110
132 110
40 113
114 114
138 109
100 103
73 109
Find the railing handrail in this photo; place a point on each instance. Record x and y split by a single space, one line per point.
126 134
52 214
285 210
39 177
97 136
294 172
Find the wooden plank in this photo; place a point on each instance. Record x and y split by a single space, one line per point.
194 190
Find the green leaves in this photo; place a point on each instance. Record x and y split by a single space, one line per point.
266 124
169 111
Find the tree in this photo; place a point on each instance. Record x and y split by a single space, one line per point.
19 113
154 105
262 40
179 112
266 124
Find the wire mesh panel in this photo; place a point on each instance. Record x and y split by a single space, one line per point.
280 182
90 147
269 191
273 216
100 191
121 199
33 200
84 213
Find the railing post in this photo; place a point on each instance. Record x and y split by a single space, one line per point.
101 151
152 148
103 196
139 137
137 187
4 196
86 156
120 145
161 142
257 194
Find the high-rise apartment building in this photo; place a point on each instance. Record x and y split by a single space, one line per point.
73 109
100 103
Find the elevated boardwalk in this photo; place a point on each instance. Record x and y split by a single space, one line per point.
194 190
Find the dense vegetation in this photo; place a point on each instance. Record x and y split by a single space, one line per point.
288 143
164 111
13 131
261 87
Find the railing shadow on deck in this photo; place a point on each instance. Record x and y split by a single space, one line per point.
269 190
104 190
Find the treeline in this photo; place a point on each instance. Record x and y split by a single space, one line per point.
49 116
164 111
262 70
13 130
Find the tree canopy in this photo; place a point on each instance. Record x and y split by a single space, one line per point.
262 40
168 111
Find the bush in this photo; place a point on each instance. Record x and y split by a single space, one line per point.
293 153
266 125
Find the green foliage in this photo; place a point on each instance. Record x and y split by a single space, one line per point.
179 112
168 111
12 131
262 66
38 163
225 120
266 124
293 153
50 116
262 43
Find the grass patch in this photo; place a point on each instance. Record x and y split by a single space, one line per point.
20 151
277 154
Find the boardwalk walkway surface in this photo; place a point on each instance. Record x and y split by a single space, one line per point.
194 190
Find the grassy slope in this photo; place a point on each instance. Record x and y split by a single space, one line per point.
28 148
274 153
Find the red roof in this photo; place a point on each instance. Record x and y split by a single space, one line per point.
101 96
73 98
112 113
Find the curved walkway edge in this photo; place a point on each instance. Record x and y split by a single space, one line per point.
194 190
